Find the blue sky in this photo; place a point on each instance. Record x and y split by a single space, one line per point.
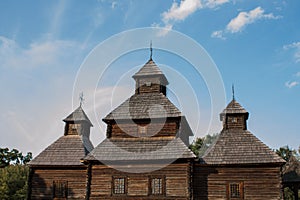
255 45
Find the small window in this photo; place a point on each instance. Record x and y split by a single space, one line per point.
148 84
142 130
60 189
234 120
235 191
119 185
156 186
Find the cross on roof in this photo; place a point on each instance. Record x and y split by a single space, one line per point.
81 99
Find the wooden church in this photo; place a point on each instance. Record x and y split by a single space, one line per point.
145 154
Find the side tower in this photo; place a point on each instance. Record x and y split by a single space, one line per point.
145 154
57 173
238 165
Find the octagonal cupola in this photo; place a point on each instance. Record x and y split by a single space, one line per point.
234 116
150 79
77 123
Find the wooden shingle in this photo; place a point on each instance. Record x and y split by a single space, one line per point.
145 106
67 150
136 149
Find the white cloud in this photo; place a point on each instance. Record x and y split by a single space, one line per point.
180 11
298 74
218 34
244 18
215 3
294 45
37 54
290 84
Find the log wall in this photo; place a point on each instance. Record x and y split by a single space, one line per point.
42 182
168 128
176 179
259 183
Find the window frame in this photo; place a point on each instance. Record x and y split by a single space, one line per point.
60 189
240 185
162 184
114 178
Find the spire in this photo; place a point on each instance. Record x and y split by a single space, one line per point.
151 50
233 98
81 99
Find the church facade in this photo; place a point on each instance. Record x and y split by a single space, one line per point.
145 154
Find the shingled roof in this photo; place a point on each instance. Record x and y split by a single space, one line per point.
78 116
150 68
67 150
235 146
234 108
137 149
145 106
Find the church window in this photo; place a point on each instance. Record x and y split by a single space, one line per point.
119 185
60 189
156 185
235 191
234 120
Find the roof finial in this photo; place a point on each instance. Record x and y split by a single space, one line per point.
150 49
81 99
233 97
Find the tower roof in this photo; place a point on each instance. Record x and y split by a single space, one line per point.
67 150
234 108
150 69
239 147
78 115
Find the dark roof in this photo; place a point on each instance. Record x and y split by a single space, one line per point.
137 149
78 115
236 146
291 170
234 107
145 106
67 150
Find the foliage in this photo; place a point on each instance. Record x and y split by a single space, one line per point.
196 145
286 152
13 182
13 157
200 145
288 194
13 174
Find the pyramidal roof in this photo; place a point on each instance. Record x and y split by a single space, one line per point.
150 69
145 106
67 150
235 146
78 115
234 107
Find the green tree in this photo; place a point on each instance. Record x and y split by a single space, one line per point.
286 152
196 145
13 157
13 174
200 145
13 182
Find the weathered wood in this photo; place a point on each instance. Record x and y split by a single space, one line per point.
175 175
259 182
42 182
